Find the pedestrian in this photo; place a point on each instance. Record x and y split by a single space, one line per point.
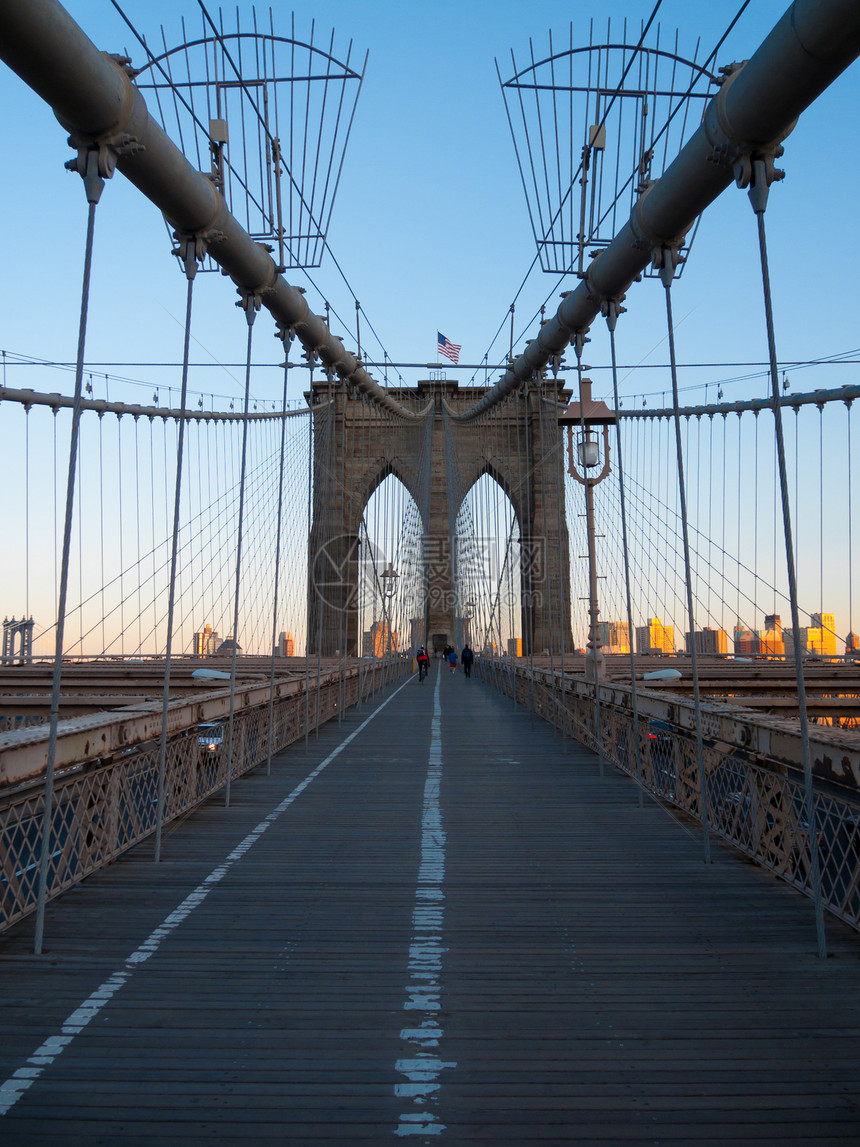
452 660
467 657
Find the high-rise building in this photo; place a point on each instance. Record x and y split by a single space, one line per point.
746 641
286 646
614 636
771 642
205 642
383 639
823 627
818 638
709 641
655 637
515 647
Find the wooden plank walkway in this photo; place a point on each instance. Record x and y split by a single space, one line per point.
455 933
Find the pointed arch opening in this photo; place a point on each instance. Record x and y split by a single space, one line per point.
488 564
391 591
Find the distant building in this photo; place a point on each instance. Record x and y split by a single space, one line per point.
614 636
818 638
746 641
852 645
515 647
383 639
227 646
708 641
417 632
788 637
822 634
286 646
771 641
205 642
655 637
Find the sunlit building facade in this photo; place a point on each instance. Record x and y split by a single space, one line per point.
614 636
205 642
708 641
655 637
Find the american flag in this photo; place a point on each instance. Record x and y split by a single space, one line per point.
447 348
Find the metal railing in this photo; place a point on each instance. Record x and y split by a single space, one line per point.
102 808
755 804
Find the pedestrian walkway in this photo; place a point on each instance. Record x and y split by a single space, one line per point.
437 923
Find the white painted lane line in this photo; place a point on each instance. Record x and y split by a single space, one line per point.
18 1083
423 1065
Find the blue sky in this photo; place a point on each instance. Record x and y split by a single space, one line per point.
430 224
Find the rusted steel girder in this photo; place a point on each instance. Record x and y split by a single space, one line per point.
93 98
96 736
769 740
753 112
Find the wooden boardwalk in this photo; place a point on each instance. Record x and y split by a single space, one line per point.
453 933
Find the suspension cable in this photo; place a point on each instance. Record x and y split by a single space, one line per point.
93 186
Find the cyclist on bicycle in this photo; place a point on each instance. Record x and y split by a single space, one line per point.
423 662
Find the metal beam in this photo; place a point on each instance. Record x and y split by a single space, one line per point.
97 736
754 110
846 394
93 98
28 398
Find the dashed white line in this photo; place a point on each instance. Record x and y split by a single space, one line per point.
423 1066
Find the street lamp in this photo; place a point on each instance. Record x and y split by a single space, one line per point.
586 415
389 578
468 613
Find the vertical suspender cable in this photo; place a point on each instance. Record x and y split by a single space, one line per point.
250 303
310 569
190 260
851 547
758 194
93 184
287 338
667 258
594 632
611 321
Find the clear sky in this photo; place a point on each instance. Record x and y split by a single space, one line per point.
430 224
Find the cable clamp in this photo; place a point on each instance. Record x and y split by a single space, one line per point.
666 259
755 171
190 250
250 302
611 308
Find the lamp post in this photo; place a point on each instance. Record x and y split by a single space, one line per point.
389 578
586 415
468 613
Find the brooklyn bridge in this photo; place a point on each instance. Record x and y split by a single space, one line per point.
259 879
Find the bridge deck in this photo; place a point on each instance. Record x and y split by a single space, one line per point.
595 982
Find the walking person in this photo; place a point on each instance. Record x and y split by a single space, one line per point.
467 657
452 660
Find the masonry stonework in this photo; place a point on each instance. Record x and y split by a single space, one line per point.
357 446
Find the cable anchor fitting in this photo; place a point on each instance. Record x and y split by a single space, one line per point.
190 250
665 261
578 343
250 302
611 309
755 171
